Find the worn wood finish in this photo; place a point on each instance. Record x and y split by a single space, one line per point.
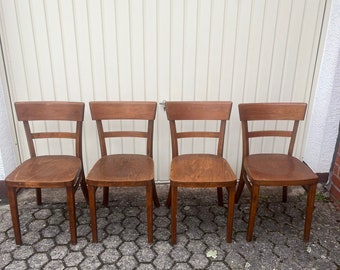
123 170
49 171
274 169
199 170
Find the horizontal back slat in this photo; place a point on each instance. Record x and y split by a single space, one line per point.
271 111
186 110
106 110
50 110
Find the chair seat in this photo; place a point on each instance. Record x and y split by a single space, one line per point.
45 172
113 168
201 170
278 169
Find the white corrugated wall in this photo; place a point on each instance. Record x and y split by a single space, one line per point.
239 50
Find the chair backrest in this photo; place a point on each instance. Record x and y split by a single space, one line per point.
270 111
30 111
124 110
198 110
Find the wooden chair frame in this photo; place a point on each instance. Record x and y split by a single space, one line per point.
142 165
262 169
52 171
220 176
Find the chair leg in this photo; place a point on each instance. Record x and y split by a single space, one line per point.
309 211
154 194
168 200
240 187
253 208
72 214
106 196
173 214
12 198
149 212
93 215
230 222
38 196
284 194
220 196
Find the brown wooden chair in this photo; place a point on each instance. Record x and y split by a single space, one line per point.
199 170
49 171
123 170
274 169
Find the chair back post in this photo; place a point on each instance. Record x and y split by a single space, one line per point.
124 110
197 110
29 111
293 111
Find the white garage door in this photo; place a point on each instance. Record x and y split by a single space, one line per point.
239 50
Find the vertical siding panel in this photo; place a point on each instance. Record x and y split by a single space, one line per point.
163 83
214 59
137 49
137 61
53 26
124 48
110 49
28 49
94 16
189 53
293 47
177 37
86 79
10 35
42 50
202 63
215 49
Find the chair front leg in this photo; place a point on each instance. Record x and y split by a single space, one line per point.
173 214
149 212
230 222
93 214
253 208
309 211
12 198
72 214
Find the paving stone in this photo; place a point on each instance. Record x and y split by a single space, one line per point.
145 255
54 265
59 252
37 260
90 263
128 248
199 261
5 259
127 263
163 261
74 258
110 255
44 245
180 254
15 265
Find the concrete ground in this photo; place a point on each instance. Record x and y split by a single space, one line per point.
201 243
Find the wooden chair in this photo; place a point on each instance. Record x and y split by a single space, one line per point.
123 170
274 169
49 171
199 170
